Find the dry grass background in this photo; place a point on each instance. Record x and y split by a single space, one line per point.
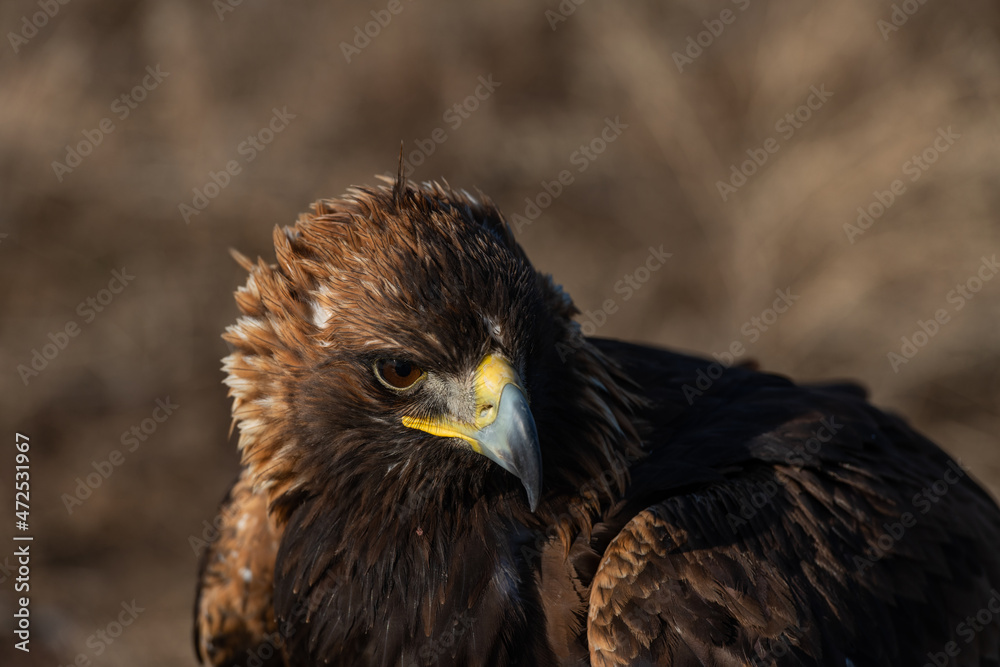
656 184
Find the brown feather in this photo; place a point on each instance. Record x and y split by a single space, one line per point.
720 527
235 611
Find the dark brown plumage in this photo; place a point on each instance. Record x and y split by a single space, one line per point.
381 376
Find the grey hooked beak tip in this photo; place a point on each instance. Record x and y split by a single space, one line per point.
511 442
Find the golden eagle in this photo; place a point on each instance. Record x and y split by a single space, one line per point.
439 468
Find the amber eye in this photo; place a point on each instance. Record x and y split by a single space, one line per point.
397 373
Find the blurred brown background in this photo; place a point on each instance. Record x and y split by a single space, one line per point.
223 69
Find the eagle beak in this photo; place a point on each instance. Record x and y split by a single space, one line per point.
511 441
504 430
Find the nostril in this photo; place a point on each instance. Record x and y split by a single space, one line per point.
485 411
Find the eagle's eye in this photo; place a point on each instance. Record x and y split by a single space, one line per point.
397 373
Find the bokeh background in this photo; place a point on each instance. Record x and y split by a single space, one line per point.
559 71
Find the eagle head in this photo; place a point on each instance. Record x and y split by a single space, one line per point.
403 337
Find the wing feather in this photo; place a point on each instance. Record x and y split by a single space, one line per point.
807 551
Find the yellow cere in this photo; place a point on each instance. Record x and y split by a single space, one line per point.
493 374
